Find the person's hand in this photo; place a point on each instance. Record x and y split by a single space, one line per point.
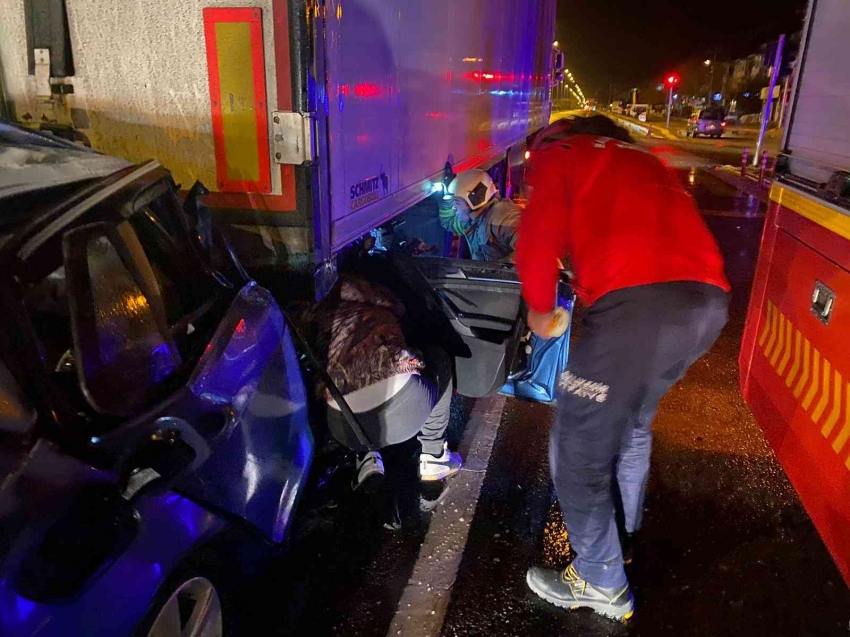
550 325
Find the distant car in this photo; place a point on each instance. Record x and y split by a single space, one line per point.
710 122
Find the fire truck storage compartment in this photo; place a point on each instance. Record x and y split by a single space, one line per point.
796 363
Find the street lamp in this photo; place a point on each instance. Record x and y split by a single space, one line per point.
555 43
710 65
671 81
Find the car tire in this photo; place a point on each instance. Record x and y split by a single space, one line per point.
218 576
192 607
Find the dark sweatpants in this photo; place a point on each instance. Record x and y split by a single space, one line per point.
635 345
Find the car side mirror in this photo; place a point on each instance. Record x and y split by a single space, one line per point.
160 454
123 348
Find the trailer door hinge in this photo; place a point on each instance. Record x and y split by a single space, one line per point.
292 137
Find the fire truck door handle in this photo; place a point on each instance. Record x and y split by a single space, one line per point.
823 302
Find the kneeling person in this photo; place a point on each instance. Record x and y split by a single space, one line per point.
473 209
394 391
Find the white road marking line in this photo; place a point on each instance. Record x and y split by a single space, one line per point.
733 213
423 604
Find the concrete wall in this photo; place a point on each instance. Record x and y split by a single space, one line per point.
141 85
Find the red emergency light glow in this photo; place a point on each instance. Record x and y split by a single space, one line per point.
367 89
488 76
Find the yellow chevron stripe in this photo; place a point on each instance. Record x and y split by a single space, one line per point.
799 389
774 318
783 363
844 434
829 425
780 341
776 344
813 388
767 318
824 398
795 366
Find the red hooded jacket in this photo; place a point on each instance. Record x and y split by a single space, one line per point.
619 217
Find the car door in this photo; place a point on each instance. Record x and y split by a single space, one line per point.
484 314
482 302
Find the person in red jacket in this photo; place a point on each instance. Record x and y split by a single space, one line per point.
652 278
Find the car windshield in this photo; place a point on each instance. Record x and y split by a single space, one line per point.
711 113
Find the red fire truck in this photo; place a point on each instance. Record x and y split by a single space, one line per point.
795 361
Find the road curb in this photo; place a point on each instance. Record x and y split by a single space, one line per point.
658 132
732 176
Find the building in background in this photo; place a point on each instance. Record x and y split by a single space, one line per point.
746 80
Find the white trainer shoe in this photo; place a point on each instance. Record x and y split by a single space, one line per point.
432 468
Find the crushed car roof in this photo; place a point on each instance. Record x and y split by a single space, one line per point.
31 161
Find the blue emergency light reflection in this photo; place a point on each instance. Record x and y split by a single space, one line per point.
23 608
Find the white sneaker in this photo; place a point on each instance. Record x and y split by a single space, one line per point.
440 467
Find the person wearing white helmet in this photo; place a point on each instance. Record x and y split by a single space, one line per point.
472 208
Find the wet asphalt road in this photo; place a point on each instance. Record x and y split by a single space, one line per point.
727 547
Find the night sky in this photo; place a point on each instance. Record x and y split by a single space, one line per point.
625 43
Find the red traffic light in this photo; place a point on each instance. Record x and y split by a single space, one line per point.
672 80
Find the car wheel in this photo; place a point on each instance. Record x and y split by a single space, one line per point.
192 610
210 593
